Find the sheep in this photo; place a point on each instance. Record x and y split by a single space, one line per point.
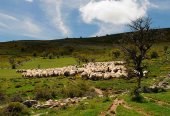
93 71
84 75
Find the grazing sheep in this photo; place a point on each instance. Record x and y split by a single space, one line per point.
93 71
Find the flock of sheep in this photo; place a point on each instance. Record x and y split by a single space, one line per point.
92 71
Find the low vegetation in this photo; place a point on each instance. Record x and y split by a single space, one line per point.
101 94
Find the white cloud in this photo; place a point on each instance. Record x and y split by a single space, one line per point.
29 0
7 17
161 4
75 4
112 15
53 9
2 25
21 26
109 29
113 11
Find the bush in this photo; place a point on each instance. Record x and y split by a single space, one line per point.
44 55
154 54
116 53
16 98
18 86
136 96
50 56
75 90
44 93
2 97
81 106
34 54
15 109
13 66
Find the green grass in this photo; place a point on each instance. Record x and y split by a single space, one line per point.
164 96
115 84
10 80
48 63
121 111
9 73
91 107
149 107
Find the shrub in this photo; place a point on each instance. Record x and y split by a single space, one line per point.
16 98
2 96
135 96
44 93
107 99
18 86
81 106
154 54
50 56
15 109
34 54
116 53
13 66
44 54
75 90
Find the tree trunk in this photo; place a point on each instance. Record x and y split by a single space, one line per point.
139 82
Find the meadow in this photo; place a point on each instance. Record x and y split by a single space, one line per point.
53 54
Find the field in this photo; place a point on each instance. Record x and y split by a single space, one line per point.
27 55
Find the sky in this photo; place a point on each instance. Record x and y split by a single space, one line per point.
57 19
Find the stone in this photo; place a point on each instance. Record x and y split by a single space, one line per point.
30 103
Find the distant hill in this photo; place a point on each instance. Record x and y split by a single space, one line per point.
29 46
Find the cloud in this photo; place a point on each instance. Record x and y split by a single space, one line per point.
75 4
29 0
111 15
113 11
7 17
109 29
53 8
23 26
161 4
2 25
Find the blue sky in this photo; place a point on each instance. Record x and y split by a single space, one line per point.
52 19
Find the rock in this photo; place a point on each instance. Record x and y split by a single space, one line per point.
30 103
100 95
111 96
73 101
62 104
84 98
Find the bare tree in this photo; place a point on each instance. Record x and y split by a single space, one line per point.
137 44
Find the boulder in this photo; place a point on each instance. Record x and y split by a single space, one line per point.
30 103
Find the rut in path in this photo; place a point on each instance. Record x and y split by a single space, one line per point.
140 111
112 109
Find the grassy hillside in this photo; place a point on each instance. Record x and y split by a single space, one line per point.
75 51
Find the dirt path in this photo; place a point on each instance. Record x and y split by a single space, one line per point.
140 111
112 109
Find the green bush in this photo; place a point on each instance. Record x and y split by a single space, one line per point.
2 96
34 54
136 95
74 90
44 93
154 54
16 98
15 109
13 66
50 56
81 106
116 53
